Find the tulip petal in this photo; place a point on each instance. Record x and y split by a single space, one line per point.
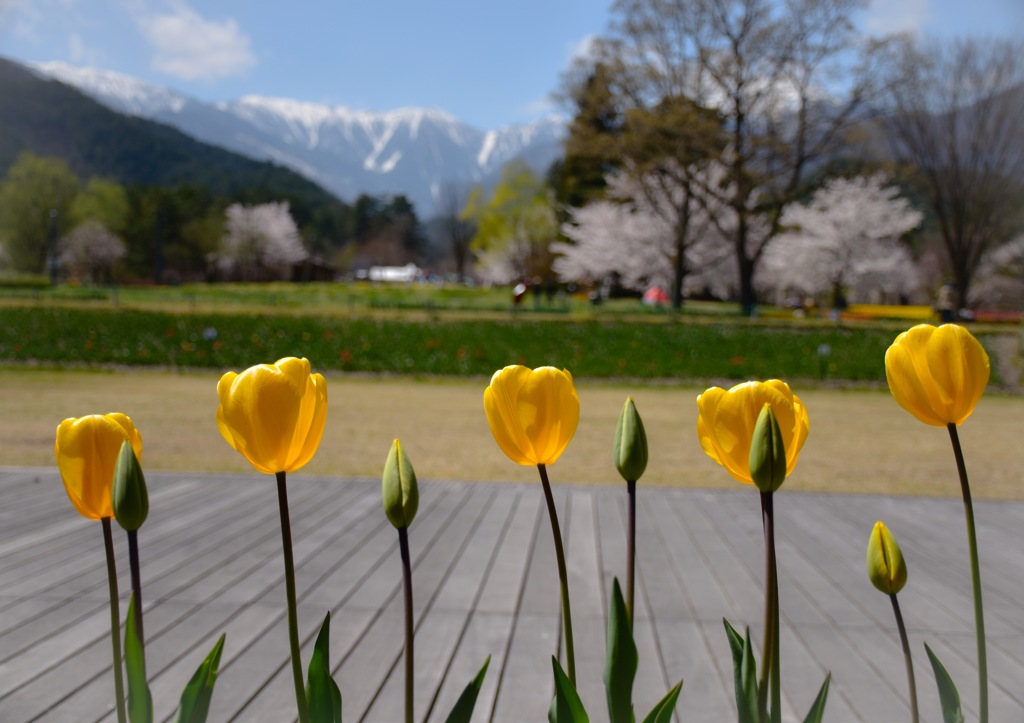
549 412
316 400
500 406
907 380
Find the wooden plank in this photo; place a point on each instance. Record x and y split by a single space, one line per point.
490 628
220 539
526 679
158 625
486 583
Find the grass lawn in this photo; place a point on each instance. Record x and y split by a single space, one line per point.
860 441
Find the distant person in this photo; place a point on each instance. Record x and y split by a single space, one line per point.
518 293
945 303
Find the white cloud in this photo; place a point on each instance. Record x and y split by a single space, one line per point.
540 105
582 49
189 46
908 16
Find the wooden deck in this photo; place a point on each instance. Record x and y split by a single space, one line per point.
485 583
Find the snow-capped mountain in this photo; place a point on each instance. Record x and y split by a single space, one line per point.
414 151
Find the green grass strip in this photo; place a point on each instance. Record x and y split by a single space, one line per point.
593 349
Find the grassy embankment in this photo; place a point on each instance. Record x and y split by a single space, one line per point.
860 440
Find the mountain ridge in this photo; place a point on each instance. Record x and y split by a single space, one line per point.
50 118
411 151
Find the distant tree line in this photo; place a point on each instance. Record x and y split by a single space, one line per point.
97 230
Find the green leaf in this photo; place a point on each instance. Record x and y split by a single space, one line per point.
140 702
662 711
817 712
567 706
745 675
949 699
195 699
621 660
323 696
463 710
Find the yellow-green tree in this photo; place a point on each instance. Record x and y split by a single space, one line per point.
515 226
104 201
35 197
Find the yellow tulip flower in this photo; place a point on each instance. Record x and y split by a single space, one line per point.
937 374
86 451
533 413
726 422
273 414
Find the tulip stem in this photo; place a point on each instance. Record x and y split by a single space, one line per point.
563 577
133 564
906 657
631 549
770 652
289 582
972 541
115 618
403 546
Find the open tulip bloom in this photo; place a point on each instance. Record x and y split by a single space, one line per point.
86 449
938 374
726 421
274 415
756 431
533 414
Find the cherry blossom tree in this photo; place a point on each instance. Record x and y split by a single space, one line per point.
91 251
636 235
846 240
1001 278
259 241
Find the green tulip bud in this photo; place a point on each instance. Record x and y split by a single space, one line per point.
886 568
131 501
630 443
767 452
401 497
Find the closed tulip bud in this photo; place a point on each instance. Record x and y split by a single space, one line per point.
131 501
767 452
886 568
401 496
630 443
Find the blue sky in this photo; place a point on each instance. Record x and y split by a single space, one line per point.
488 63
